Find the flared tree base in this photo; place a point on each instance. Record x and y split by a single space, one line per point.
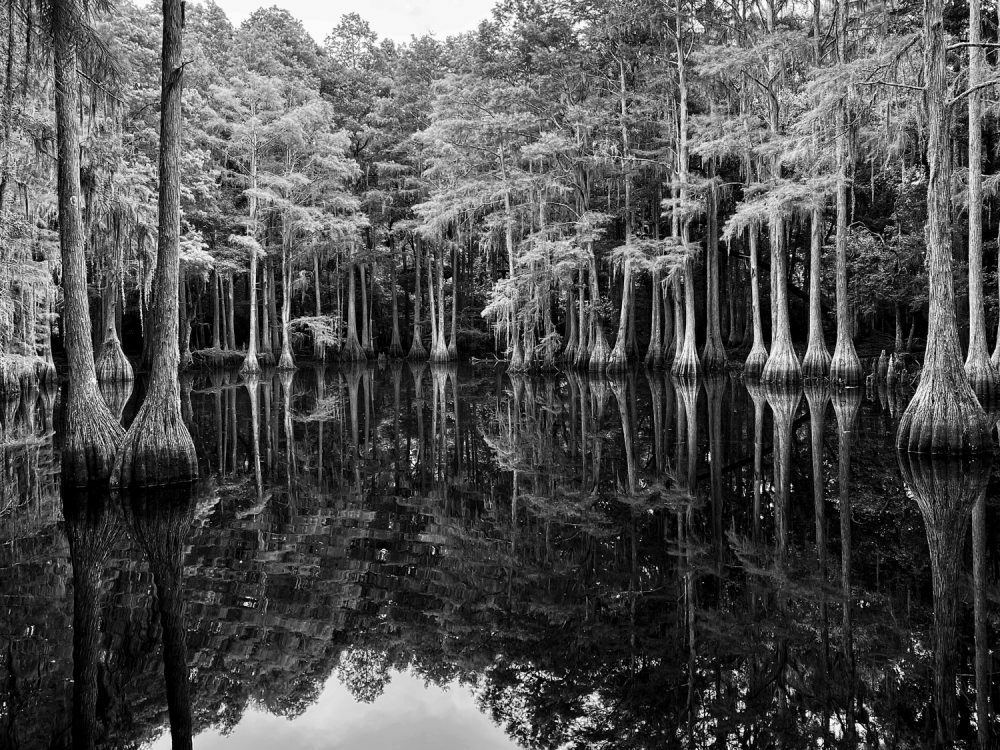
439 353
782 368
286 361
352 351
112 365
417 351
944 418
116 394
984 379
753 368
91 438
157 449
251 365
600 352
617 360
816 364
713 358
395 349
845 367
686 366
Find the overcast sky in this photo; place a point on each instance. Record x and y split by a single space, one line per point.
393 19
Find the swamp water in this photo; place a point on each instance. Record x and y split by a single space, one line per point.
450 558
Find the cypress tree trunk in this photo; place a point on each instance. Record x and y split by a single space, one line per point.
944 415
686 364
352 351
618 360
272 309
845 367
582 358
184 326
158 448
266 353
439 350
982 374
713 356
667 325
286 361
395 346
251 365
599 350
216 321
782 364
654 353
757 358
679 324
453 341
569 352
816 363
366 331
417 350
230 313
112 364
899 345
91 434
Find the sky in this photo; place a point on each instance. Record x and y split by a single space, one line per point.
392 19
408 715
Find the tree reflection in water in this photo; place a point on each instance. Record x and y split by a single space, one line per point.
629 561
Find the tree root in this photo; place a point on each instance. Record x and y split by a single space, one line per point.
944 417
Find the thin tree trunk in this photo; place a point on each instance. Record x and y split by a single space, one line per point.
353 351
395 346
286 361
417 350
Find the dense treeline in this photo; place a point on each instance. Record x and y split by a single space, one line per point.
595 183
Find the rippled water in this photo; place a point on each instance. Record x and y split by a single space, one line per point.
408 556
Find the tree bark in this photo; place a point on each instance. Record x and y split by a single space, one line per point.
158 448
816 363
944 415
91 434
417 350
981 372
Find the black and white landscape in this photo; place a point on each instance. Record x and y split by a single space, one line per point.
604 375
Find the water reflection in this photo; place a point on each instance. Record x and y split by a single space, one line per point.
626 562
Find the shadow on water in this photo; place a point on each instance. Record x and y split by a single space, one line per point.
628 561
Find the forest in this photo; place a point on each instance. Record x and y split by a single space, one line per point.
691 185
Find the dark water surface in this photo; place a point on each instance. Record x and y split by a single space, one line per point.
418 557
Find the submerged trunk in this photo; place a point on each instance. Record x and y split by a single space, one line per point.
158 448
439 349
944 415
366 331
686 363
782 363
91 433
654 353
395 346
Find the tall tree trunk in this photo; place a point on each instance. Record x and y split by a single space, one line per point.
439 350
186 361
417 350
713 356
91 434
251 364
366 331
686 364
352 351
230 312
944 415
286 361
272 309
982 374
845 367
599 350
158 448
757 358
654 353
816 363
618 360
216 320
395 346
